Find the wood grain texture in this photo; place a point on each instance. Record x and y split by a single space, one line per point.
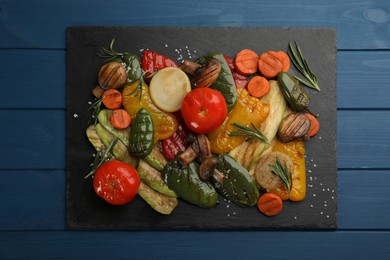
32 79
360 24
32 200
196 245
35 139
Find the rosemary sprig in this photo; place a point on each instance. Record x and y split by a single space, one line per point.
109 53
96 107
295 54
250 133
102 156
283 173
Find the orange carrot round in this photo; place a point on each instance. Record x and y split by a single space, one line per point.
120 119
112 99
270 204
314 125
283 57
246 62
271 63
258 86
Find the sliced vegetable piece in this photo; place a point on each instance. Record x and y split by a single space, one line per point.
165 124
153 178
159 202
248 153
269 65
112 75
234 182
153 61
225 82
270 204
240 80
104 119
112 99
314 125
120 119
258 86
168 88
246 62
185 181
120 150
141 134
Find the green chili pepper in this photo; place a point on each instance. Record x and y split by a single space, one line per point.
185 181
142 134
133 66
296 97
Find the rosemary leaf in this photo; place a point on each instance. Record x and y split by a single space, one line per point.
96 107
102 156
250 133
283 173
302 65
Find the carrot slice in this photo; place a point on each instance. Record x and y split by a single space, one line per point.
258 86
120 119
283 57
271 63
314 125
112 99
270 204
246 62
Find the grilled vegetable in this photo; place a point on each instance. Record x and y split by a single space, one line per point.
248 110
225 82
159 202
248 153
185 181
206 74
295 96
153 178
120 150
294 127
234 182
141 134
112 75
268 177
165 124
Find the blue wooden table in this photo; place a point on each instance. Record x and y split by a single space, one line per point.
32 132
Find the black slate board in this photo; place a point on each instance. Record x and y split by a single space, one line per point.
86 211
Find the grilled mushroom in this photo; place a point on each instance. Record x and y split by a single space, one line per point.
207 168
200 148
203 75
112 75
294 127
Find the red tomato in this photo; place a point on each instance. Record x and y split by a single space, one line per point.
116 182
203 110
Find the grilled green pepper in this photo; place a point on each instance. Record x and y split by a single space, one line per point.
225 82
295 96
133 66
234 182
141 134
185 181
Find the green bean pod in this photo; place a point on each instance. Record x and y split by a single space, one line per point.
141 134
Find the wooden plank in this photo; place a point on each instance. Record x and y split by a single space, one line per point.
32 200
32 139
34 79
359 24
196 245
361 139
363 79
363 200
43 82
